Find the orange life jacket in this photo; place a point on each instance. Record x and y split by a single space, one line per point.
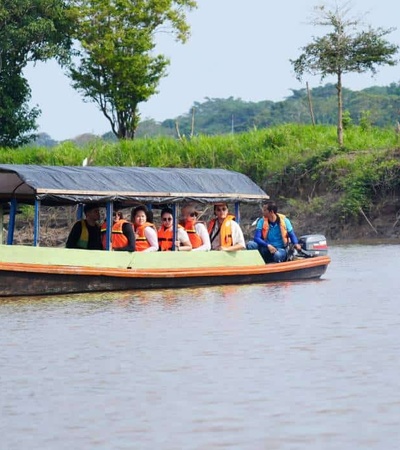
118 239
190 228
225 230
282 224
165 238
141 241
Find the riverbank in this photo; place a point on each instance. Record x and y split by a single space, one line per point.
385 228
344 193
380 222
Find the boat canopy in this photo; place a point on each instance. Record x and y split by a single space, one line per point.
61 185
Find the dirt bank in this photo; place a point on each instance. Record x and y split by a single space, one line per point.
381 224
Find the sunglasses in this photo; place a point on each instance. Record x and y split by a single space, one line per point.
224 208
193 214
167 219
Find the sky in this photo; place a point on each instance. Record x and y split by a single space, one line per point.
237 49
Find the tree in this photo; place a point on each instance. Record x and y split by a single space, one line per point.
118 67
16 120
30 30
344 50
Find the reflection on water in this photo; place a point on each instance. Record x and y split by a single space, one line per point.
310 365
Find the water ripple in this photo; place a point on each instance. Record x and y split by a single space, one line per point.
305 365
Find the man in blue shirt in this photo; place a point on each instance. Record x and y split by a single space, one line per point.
273 234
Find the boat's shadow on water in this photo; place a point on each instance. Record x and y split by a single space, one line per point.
240 292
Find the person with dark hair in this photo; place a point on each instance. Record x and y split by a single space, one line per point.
166 233
225 233
145 231
196 230
122 235
273 234
85 233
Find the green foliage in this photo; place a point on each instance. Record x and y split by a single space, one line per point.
347 120
17 122
344 51
118 68
226 116
298 162
30 30
361 178
34 30
43 140
27 213
215 116
365 120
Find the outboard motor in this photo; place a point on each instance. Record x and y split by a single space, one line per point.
313 245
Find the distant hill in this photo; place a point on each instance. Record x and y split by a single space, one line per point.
375 106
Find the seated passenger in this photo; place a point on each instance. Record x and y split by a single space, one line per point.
272 235
145 231
122 235
225 233
86 232
166 237
196 231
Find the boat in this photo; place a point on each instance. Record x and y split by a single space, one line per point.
37 269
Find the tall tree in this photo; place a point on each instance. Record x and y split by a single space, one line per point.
30 30
117 67
348 48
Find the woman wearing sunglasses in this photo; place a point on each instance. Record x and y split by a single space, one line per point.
225 233
196 230
166 234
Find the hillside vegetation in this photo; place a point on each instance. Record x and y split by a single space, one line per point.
374 106
351 192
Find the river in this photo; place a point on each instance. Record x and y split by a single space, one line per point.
303 365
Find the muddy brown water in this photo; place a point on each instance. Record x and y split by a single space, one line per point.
304 365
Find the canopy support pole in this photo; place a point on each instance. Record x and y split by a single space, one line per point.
237 212
79 212
110 223
36 224
174 227
11 222
1 224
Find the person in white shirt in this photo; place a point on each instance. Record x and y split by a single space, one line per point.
196 230
166 238
225 233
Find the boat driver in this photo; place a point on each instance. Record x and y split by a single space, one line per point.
85 233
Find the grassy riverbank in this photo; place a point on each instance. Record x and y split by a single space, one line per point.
352 192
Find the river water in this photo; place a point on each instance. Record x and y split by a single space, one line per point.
304 365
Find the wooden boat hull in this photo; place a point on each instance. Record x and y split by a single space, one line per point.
21 279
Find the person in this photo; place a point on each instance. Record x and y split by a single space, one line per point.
165 233
122 235
273 233
225 233
85 233
145 231
197 231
